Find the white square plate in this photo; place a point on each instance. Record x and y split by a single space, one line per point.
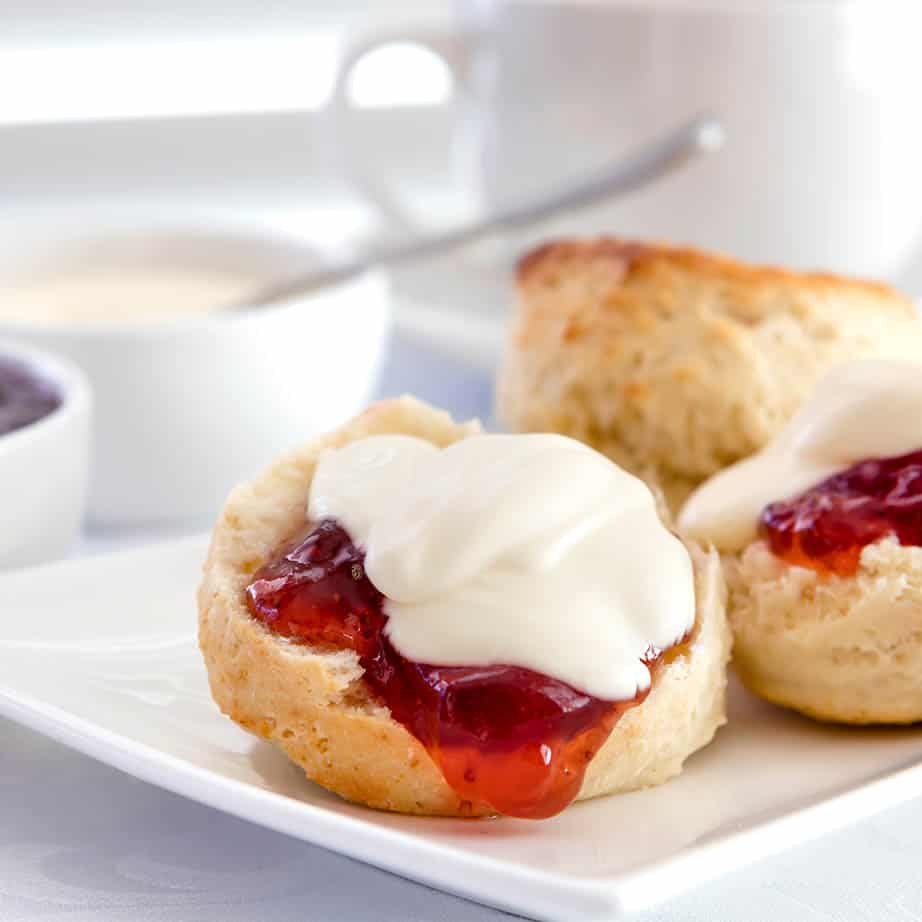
101 655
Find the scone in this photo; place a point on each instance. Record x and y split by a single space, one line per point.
675 362
821 536
392 608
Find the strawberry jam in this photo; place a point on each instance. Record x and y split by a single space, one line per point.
506 737
826 527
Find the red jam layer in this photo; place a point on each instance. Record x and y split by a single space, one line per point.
826 527
509 738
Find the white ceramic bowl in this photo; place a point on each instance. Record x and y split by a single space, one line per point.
188 406
44 467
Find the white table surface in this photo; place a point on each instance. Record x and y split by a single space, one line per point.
80 841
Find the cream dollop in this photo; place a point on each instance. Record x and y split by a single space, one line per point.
862 409
523 550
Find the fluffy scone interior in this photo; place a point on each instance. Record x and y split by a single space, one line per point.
676 362
313 704
837 648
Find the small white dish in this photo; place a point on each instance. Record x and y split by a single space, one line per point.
44 467
101 655
189 404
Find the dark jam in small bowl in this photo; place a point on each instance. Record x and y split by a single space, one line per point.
25 395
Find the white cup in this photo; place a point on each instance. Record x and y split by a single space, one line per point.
187 407
821 166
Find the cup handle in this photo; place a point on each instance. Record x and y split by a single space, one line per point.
454 48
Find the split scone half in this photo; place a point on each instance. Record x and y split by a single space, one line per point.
837 648
820 535
314 703
677 362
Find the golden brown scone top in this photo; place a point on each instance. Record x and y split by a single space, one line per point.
633 258
677 362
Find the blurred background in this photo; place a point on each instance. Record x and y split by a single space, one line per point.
213 109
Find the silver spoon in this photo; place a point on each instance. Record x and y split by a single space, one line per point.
701 135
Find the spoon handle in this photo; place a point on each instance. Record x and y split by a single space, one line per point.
701 135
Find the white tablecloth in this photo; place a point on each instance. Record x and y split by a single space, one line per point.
83 843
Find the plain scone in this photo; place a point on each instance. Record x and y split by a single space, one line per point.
675 362
312 703
837 648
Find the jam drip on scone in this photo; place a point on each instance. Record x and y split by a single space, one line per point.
827 526
513 739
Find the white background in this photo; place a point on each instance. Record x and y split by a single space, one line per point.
79 59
